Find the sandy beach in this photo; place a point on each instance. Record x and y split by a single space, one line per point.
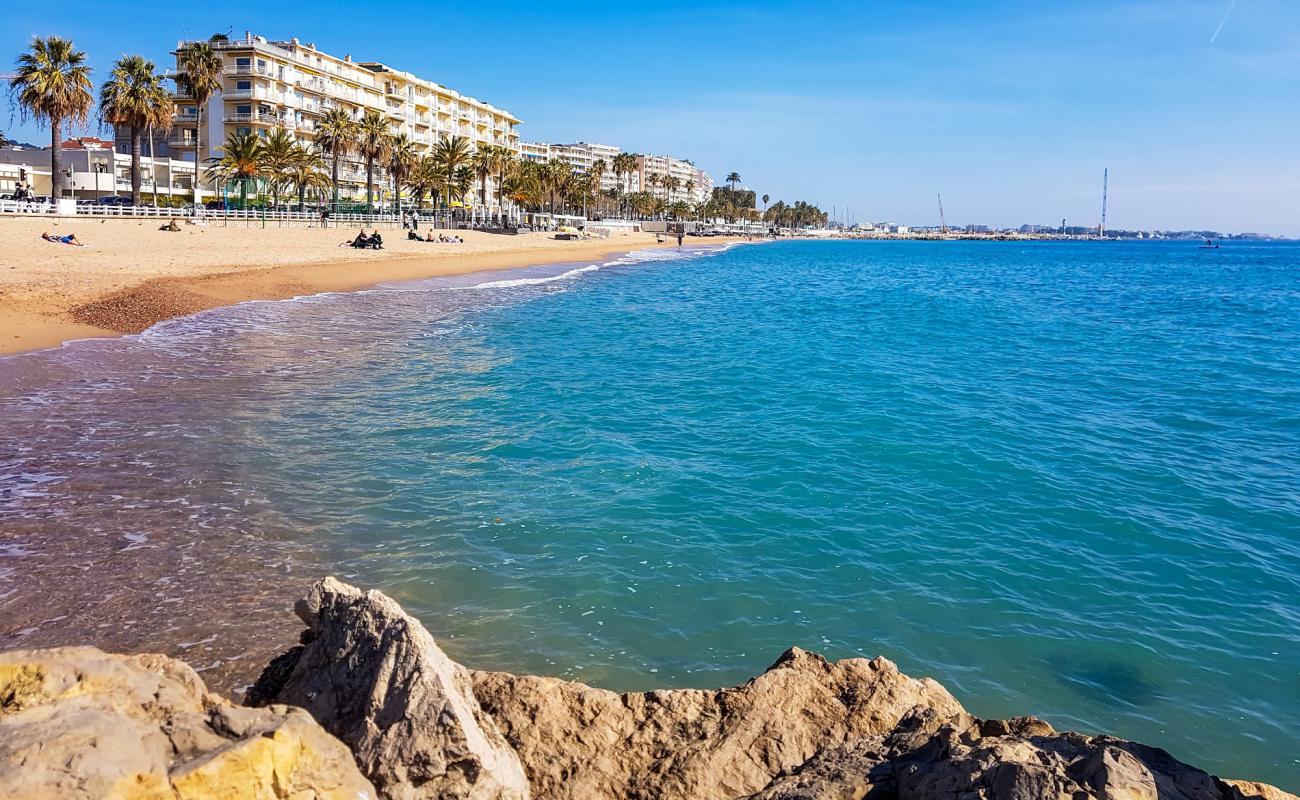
132 275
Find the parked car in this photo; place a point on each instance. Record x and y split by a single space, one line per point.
116 200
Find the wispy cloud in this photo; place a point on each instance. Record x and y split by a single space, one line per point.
1223 21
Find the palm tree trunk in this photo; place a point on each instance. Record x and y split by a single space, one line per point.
370 184
198 147
135 166
334 178
57 182
302 197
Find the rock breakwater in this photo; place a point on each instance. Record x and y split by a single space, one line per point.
368 706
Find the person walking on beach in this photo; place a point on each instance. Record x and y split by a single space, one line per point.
680 237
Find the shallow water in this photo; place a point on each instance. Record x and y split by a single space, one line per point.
1060 478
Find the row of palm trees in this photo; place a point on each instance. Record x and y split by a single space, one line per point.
52 84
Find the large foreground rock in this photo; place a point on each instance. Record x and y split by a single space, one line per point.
79 723
581 742
806 729
374 677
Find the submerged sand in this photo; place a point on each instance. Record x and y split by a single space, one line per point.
132 275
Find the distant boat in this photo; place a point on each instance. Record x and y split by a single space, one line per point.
1209 245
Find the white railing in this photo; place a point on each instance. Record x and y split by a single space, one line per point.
213 216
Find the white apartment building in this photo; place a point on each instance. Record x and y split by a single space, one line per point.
693 185
581 156
291 84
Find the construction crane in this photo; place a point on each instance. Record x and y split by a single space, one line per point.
943 225
1105 186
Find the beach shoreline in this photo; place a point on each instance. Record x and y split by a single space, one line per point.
132 276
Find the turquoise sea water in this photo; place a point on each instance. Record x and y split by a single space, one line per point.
1063 479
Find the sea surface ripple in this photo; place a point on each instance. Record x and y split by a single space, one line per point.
1061 478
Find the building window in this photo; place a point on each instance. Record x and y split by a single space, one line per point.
243 86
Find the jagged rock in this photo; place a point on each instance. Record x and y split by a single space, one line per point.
1020 759
375 678
80 723
580 742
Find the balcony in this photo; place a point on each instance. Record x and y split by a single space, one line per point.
257 119
313 85
249 69
239 94
186 120
181 143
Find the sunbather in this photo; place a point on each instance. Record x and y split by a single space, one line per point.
71 239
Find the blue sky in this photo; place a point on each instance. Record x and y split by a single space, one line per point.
1010 109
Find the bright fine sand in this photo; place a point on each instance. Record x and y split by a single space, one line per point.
132 275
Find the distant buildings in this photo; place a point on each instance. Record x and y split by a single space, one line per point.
692 184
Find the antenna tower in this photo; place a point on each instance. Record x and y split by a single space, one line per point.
1105 186
943 225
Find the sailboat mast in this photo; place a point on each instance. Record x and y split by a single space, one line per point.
1105 186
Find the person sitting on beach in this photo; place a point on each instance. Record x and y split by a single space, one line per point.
71 238
376 241
362 240
171 227
414 237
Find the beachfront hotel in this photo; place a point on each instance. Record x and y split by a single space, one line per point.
291 84
693 184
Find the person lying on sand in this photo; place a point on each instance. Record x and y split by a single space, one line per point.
71 238
171 226
414 237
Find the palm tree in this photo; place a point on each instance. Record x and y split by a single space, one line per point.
372 141
555 177
597 172
279 150
733 179
481 163
4 140
306 171
200 69
765 199
134 97
241 160
624 166
503 164
336 134
53 84
402 158
452 154
425 176
671 184
523 185
462 181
